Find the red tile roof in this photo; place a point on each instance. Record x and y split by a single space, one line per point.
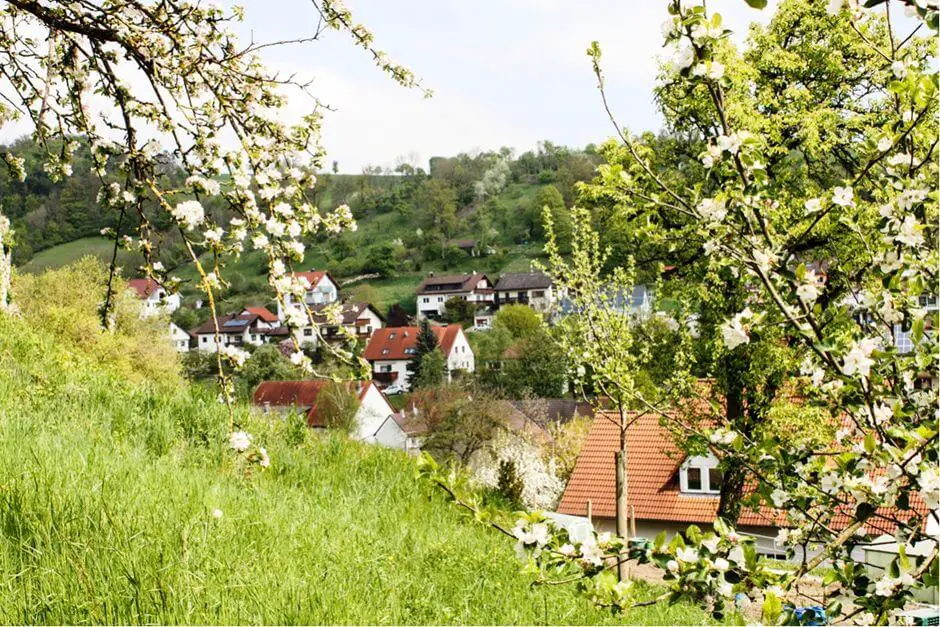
395 342
262 312
653 461
314 276
301 395
143 287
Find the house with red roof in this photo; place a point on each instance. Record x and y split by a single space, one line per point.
322 290
434 291
667 489
373 418
155 298
390 349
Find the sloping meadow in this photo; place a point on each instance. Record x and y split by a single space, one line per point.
121 503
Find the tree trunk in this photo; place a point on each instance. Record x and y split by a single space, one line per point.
623 528
732 482
6 263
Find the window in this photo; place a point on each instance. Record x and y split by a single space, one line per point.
714 479
538 294
204 339
426 300
385 351
700 475
440 299
308 332
387 368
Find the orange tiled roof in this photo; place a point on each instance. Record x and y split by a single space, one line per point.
395 342
262 312
653 461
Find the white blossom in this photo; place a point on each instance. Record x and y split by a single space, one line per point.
239 441
189 213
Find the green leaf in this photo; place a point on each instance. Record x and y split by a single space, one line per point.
756 4
771 609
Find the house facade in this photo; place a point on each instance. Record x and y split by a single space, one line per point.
356 320
434 292
180 338
534 289
323 290
391 349
154 297
372 413
237 330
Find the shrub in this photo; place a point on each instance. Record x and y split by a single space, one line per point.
64 305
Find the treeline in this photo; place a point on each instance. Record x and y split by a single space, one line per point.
470 204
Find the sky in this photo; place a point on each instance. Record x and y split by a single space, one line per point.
503 72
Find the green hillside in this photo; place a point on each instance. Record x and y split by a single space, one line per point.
109 489
70 252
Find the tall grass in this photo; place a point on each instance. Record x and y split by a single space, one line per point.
107 493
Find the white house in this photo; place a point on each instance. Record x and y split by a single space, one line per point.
358 320
371 418
435 291
390 349
239 330
155 298
534 289
180 338
322 291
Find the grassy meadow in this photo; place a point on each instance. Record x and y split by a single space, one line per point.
110 479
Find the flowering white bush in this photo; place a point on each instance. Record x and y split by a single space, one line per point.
541 486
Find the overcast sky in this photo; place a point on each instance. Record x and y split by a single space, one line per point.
504 72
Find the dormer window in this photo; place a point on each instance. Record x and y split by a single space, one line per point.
700 475
385 351
392 336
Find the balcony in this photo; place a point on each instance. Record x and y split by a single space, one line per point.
385 378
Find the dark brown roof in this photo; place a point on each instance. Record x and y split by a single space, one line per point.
397 342
546 410
230 323
452 283
523 281
349 312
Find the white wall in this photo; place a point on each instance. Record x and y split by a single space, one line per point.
374 321
394 365
159 302
391 435
373 410
179 338
461 356
325 291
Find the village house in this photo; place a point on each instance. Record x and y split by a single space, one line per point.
154 297
323 290
373 421
534 289
668 490
434 292
390 349
240 329
180 338
357 320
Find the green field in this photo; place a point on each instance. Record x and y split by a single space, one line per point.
109 489
64 254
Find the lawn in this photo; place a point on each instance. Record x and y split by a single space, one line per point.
107 502
64 254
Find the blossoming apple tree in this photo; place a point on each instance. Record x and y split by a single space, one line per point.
821 208
145 83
